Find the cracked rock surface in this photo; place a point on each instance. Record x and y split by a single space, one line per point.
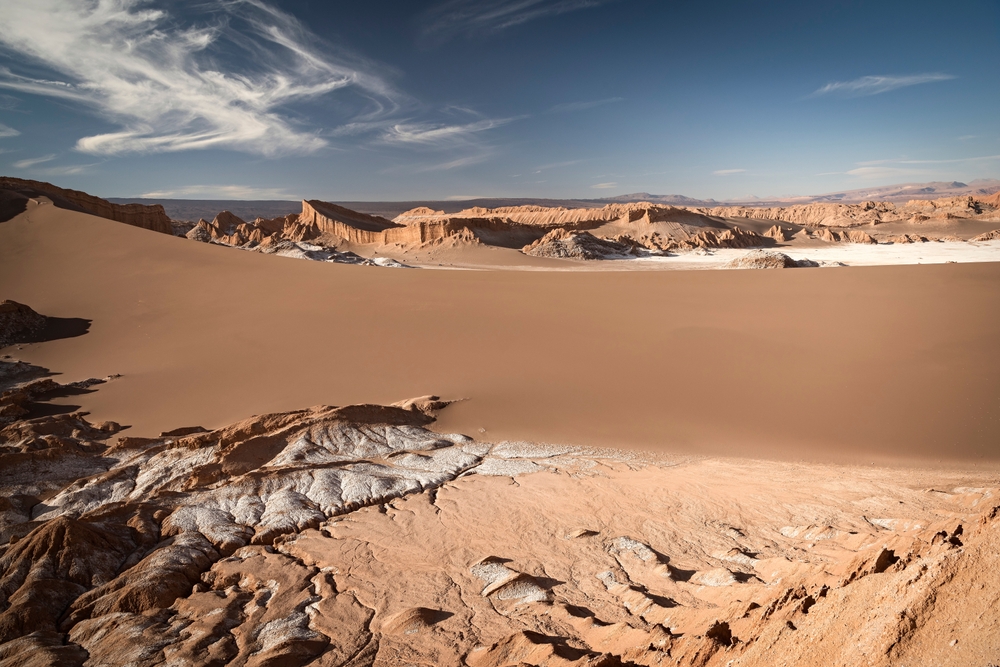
358 536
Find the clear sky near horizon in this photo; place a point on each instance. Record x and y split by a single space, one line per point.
395 100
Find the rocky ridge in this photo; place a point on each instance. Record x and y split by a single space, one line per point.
613 231
357 536
151 217
867 213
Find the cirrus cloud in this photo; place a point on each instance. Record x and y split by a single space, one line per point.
223 79
876 85
470 17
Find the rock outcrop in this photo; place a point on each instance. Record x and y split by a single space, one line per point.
562 243
907 238
989 236
865 213
779 233
138 215
322 230
763 259
845 236
18 323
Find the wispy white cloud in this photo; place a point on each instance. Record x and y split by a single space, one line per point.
6 131
68 170
9 102
170 86
912 168
558 165
439 135
885 172
570 107
456 163
728 172
604 186
978 158
454 17
31 162
220 192
876 85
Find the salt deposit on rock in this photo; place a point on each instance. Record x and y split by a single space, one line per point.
358 536
577 245
762 259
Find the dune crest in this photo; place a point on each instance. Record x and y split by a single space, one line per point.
150 217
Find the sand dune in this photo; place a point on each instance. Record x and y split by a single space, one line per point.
860 364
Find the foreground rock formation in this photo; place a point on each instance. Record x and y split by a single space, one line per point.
18 323
15 193
357 536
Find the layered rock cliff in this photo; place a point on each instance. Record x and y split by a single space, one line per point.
138 215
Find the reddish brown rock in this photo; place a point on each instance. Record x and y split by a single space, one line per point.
138 215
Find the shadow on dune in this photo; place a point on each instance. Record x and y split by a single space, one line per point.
20 324
61 327
11 204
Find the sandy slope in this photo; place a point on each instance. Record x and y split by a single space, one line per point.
860 364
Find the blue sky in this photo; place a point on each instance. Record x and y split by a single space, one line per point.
459 98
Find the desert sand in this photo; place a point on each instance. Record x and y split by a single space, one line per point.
831 364
553 465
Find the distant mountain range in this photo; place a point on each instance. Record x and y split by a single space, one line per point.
193 209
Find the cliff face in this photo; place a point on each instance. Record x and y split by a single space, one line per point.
868 213
344 223
137 215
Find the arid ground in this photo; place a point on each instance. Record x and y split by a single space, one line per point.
557 466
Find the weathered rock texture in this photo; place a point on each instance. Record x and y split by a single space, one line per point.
867 213
611 231
578 245
18 323
356 536
137 215
762 259
988 236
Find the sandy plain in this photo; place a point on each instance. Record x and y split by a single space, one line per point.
859 364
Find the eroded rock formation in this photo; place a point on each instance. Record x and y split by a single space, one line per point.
762 259
612 231
989 236
867 213
138 215
357 536
578 245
